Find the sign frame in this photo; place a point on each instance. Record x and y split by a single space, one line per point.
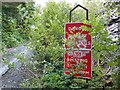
80 49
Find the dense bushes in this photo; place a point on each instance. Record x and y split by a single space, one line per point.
14 28
47 39
9 32
45 30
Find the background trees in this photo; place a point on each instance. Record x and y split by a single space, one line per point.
9 24
14 28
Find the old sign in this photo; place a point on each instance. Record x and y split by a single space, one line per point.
77 57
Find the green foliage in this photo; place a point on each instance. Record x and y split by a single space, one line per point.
45 32
15 25
47 39
9 26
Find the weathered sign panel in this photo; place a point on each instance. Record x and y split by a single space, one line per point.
77 57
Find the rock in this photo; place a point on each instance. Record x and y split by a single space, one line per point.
14 76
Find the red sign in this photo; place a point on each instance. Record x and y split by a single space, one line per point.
77 58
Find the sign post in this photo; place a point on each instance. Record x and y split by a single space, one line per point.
78 44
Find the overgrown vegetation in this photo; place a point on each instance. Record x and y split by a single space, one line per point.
44 28
14 29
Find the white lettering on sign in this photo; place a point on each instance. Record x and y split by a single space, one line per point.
67 59
81 72
83 43
84 72
76 60
84 60
76 49
70 53
80 41
74 28
78 54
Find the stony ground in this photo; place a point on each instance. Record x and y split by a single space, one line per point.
14 76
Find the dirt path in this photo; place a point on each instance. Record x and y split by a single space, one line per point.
14 76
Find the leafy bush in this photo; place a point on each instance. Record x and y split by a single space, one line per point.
47 39
15 29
